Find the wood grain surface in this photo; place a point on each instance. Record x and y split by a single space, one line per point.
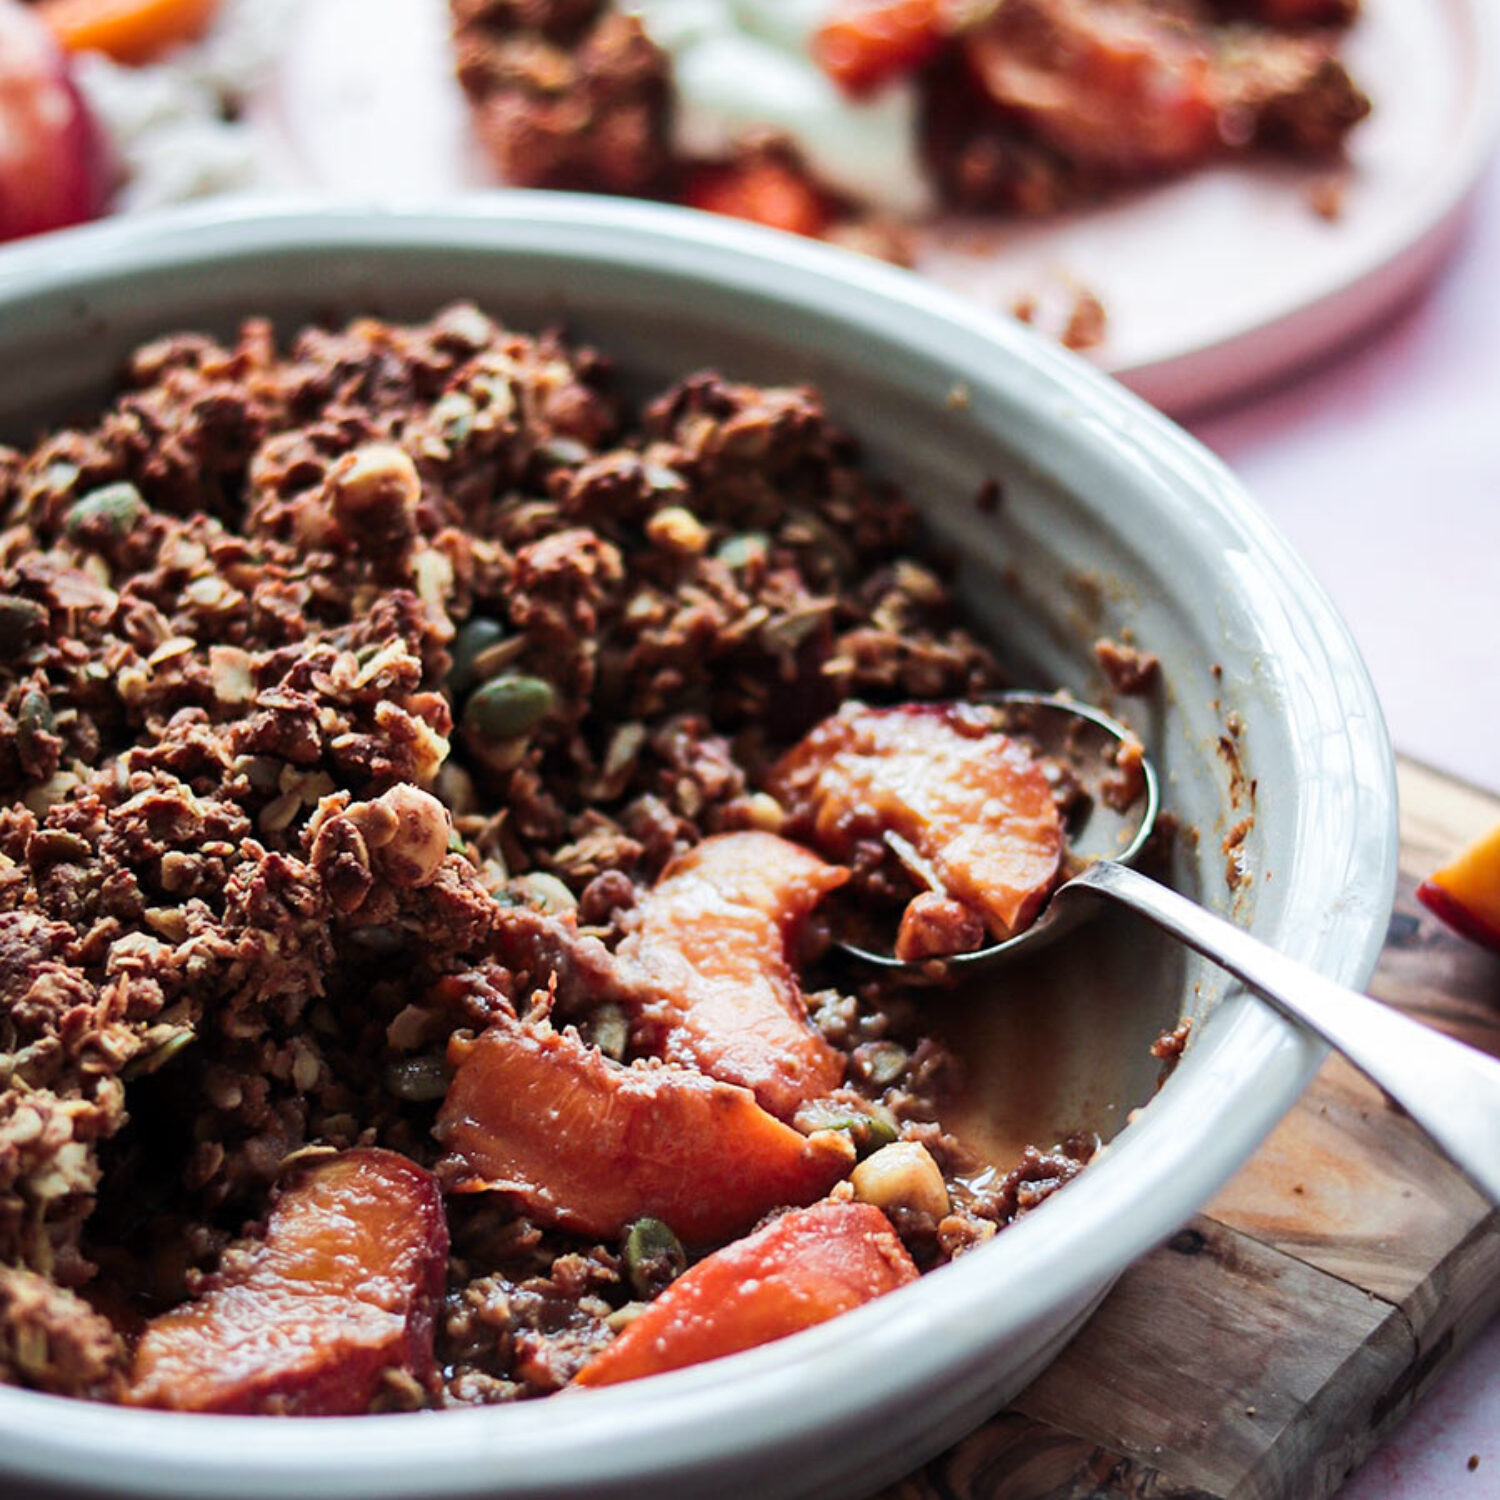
1267 1348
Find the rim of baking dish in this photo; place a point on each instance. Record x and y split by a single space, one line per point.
1245 1070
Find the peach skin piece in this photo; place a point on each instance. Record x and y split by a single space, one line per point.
799 1270
1466 893
714 936
972 802
344 1287
130 31
590 1146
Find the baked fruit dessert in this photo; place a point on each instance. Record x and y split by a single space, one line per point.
424 775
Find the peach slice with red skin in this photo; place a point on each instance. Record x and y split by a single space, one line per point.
589 1146
54 167
344 1287
1466 892
714 935
801 1269
973 803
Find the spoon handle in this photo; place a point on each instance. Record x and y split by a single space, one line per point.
1452 1091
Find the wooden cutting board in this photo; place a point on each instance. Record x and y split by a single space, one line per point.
1267 1348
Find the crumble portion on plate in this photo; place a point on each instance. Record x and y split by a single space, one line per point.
822 118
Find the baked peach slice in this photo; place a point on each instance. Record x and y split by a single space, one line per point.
307 1322
1111 86
971 807
714 935
589 1146
862 44
801 1269
1466 893
762 190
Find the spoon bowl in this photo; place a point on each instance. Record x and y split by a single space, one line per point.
1101 824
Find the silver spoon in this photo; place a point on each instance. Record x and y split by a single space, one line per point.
1452 1091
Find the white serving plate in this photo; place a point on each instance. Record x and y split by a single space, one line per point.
1213 284
1112 520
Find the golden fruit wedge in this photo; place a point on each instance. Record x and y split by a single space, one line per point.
589 1146
973 803
714 936
1466 893
343 1288
799 1270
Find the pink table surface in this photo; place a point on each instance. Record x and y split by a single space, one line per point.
1383 467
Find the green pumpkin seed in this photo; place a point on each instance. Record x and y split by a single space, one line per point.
150 1062
565 450
654 1257
117 507
873 1132
34 718
22 624
868 1129
883 1063
493 660
419 1080
662 478
622 1317
474 636
546 891
741 551
53 482
507 707
497 757
454 417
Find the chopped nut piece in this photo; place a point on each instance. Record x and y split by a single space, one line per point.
675 529
379 477
406 832
902 1175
